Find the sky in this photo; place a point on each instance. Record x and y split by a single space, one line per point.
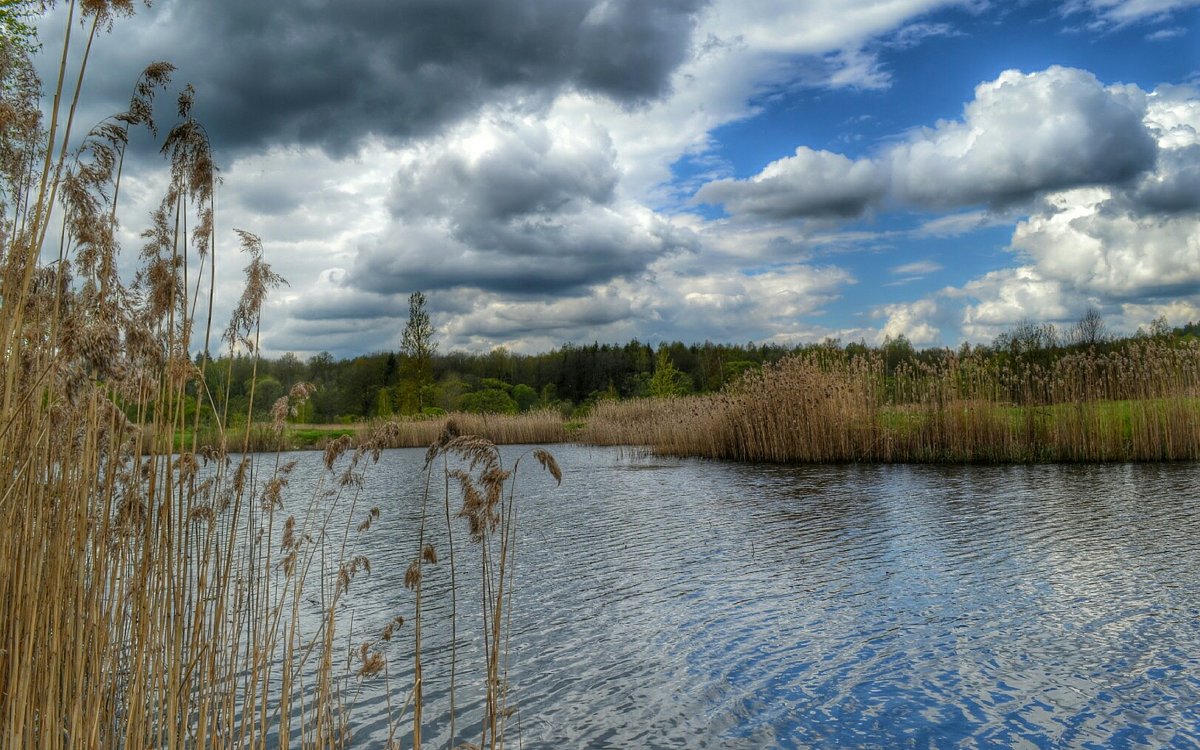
782 171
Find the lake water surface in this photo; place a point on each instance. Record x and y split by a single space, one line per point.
668 603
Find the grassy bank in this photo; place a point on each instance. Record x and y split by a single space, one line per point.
1141 403
536 427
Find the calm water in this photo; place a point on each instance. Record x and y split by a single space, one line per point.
664 603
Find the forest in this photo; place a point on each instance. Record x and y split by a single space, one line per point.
574 377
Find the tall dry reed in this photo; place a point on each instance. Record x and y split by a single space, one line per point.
1140 402
154 593
535 427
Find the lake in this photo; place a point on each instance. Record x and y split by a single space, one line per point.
680 603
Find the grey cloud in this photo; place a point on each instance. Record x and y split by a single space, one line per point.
516 207
267 199
810 184
1174 187
341 341
527 169
359 306
547 257
570 314
329 72
620 37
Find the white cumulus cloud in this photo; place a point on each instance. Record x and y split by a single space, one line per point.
1023 134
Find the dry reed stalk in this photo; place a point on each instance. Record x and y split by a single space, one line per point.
488 491
532 428
156 589
1135 404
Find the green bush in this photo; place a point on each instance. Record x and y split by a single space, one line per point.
488 401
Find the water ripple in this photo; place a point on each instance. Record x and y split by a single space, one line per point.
663 603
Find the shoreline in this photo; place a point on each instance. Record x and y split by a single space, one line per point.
1003 449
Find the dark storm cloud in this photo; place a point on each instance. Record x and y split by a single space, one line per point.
359 306
329 72
541 258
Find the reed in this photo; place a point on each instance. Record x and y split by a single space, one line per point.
534 427
1139 402
154 591
539 427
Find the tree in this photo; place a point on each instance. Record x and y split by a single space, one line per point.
1159 328
488 401
1027 337
525 396
20 109
667 380
383 403
418 344
897 351
391 367
1089 329
321 367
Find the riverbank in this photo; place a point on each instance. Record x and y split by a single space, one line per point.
540 427
1138 404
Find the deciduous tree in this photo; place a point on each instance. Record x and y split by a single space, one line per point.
418 345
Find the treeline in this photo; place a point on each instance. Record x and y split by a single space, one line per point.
572 378
1133 400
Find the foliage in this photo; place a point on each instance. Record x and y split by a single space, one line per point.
383 404
574 378
418 345
525 397
488 401
16 25
667 380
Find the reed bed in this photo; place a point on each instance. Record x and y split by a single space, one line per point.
1138 403
161 595
540 427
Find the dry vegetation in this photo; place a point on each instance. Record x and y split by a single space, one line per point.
535 427
1139 403
153 593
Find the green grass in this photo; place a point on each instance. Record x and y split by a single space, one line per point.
314 437
263 438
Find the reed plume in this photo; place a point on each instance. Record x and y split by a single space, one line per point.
157 588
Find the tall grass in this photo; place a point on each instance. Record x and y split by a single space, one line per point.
534 427
539 426
1138 403
155 593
